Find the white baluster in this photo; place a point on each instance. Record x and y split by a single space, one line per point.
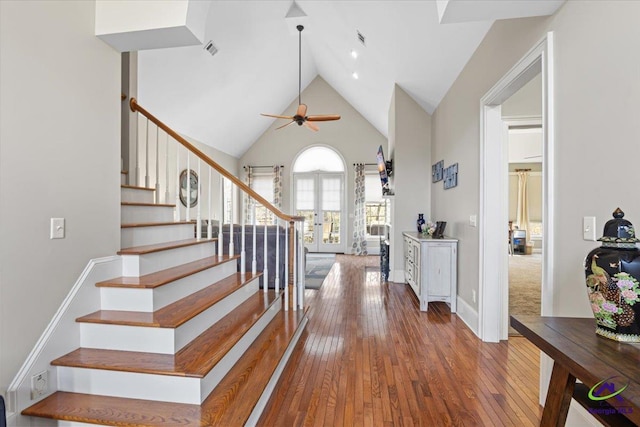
210 225
301 264
286 267
146 171
167 195
243 253
232 249
276 281
295 267
221 221
137 182
177 215
265 268
188 211
254 262
199 210
157 165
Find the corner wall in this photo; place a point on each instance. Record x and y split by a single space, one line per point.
410 149
59 157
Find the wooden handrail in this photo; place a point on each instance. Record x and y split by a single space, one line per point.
222 171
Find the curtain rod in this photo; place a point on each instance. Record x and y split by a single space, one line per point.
260 166
367 164
523 170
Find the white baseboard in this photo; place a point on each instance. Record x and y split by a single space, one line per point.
468 315
397 276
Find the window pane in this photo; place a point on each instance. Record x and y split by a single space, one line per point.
318 159
331 194
372 187
331 227
305 194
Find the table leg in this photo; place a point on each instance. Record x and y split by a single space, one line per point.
559 396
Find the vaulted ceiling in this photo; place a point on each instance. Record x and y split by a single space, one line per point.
420 45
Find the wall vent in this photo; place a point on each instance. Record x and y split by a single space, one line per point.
211 48
360 37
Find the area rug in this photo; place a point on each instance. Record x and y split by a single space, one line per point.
318 266
525 278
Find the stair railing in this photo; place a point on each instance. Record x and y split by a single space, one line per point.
180 154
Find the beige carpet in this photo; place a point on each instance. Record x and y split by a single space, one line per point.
525 278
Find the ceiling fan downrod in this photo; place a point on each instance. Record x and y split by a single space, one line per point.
300 28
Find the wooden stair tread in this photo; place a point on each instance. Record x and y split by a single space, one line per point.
159 247
177 313
155 224
234 398
134 187
159 278
164 205
194 360
230 403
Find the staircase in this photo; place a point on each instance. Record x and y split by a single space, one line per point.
182 338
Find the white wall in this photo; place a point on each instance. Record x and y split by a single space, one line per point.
59 157
525 102
411 180
352 136
597 101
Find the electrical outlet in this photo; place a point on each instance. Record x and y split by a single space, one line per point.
39 384
473 295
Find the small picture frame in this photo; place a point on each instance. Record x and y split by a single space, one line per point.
451 176
436 171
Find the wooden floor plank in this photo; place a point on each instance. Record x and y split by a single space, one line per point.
391 364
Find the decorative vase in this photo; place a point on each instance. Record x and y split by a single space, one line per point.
420 222
612 274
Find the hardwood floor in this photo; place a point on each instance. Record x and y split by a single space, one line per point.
369 357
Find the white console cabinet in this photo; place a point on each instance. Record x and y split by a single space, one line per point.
430 268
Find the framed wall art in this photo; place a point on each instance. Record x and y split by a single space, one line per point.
436 171
451 176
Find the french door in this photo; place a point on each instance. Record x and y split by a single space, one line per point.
319 198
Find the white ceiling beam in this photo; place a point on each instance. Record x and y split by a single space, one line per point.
139 25
456 11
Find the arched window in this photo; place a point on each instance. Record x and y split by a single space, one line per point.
318 159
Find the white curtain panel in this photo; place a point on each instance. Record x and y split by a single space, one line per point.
359 226
522 216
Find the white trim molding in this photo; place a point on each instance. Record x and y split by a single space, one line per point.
493 299
468 315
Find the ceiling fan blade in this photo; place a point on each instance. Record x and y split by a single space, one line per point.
302 110
276 116
312 126
323 118
285 125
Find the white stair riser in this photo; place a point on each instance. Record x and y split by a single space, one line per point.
139 265
141 236
166 388
136 195
136 214
148 300
161 340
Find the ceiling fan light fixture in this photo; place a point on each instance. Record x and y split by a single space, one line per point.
354 53
301 117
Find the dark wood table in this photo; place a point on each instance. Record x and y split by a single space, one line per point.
579 353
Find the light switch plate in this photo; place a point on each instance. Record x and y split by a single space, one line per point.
473 220
57 228
589 228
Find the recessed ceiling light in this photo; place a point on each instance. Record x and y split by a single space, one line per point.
354 54
355 75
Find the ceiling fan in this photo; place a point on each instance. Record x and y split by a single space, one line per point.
301 117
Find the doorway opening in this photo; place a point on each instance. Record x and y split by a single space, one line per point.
493 313
318 195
